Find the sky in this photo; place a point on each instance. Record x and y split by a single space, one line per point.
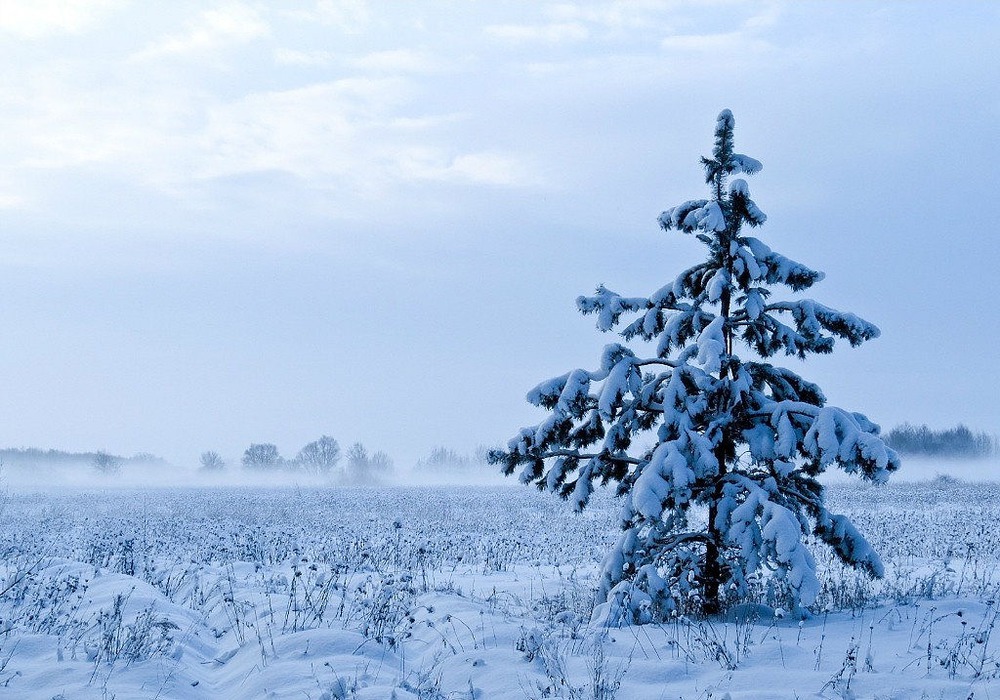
234 222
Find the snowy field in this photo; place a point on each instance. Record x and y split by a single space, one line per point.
462 593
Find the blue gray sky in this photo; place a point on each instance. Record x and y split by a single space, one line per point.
233 222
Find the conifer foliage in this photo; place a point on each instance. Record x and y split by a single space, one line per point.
715 456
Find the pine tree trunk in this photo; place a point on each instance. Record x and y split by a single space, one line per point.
714 569
711 604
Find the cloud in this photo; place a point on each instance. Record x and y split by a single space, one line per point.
492 168
552 33
294 57
42 18
229 24
392 109
746 36
350 16
496 168
57 117
728 41
397 61
347 14
9 200
631 14
344 133
427 122
304 131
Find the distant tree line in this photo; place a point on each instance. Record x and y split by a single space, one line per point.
444 458
954 442
320 457
33 456
100 461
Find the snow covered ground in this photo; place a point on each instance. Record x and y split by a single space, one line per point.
462 592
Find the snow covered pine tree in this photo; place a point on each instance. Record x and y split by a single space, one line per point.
715 512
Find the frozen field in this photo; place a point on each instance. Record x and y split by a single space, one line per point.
462 592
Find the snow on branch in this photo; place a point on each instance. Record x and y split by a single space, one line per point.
782 270
767 532
836 436
767 335
694 215
608 306
745 164
623 378
664 482
743 206
712 346
811 318
785 385
547 393
849 544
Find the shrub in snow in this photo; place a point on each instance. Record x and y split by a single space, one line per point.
716 456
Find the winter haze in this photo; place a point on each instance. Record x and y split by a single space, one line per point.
237 222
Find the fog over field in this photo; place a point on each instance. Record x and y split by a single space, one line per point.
83 476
